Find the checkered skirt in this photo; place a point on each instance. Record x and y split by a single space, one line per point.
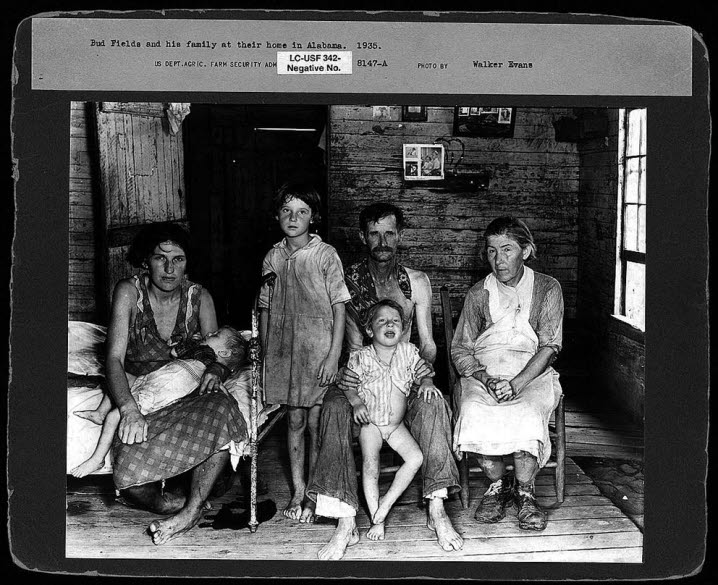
180 437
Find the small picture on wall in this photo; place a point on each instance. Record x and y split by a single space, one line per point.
413 113
423 162
484 122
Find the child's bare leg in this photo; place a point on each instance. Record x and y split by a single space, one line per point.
404 444
97 459
296 423
370 440
313 415
98 415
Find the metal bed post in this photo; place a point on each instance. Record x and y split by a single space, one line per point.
256 357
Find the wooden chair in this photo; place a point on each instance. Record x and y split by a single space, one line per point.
559 430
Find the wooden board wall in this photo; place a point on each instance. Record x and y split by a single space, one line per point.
532 176
82 262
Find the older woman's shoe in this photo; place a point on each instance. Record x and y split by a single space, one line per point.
493 504
530 514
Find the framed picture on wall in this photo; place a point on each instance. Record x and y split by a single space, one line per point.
423 162
497 122
413 113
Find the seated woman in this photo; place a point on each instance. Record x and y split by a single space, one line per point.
153 312
509 332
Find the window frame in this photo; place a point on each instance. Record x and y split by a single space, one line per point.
624 255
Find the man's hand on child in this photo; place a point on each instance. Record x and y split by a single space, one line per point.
347 379
423 369
361 414
427 391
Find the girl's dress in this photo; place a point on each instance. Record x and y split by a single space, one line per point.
299 335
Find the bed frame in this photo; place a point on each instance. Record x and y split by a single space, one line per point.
257 398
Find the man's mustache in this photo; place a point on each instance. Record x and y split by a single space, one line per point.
382 249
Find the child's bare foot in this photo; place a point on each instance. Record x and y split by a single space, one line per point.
381 513
293 511
344 536
87 467
163 531
376 532
94 416
308 515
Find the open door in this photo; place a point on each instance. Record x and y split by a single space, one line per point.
141 179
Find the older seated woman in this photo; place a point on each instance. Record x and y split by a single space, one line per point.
153 312
508 335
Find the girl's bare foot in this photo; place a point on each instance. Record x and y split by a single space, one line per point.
87 467
345 535
163 531
308 515
293 511
94 416
376 532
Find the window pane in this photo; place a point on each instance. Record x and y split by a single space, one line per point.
630 227
636 294
641 228
631 187
642 182
636 135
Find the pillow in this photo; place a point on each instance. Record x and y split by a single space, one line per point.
85 348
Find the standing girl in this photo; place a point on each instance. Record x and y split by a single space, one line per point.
302 331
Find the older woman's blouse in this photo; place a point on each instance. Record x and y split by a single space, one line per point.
546 319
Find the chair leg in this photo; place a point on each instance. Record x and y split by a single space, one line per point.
464 480
560 450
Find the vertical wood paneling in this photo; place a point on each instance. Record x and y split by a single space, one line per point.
82 259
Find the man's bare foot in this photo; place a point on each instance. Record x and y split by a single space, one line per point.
94 416
293 511
376 532
345 535
163 531
439 522
308 515
87 467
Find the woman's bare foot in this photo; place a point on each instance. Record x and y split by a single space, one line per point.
439 522
293 511
88 467
308 515
94 416
163 531
376 532
345 535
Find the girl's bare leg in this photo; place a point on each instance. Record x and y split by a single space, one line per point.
296 423
370 440
404 444
104 444
98 415
313 416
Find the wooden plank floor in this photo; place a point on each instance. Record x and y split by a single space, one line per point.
587 527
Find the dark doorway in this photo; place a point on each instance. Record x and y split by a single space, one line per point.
236 159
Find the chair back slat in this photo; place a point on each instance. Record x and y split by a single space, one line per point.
448 334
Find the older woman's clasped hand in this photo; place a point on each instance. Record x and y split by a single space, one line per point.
501 389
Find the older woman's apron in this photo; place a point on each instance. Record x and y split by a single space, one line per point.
490 428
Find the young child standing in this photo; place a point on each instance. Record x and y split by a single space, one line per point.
302 332
386 372
157 389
